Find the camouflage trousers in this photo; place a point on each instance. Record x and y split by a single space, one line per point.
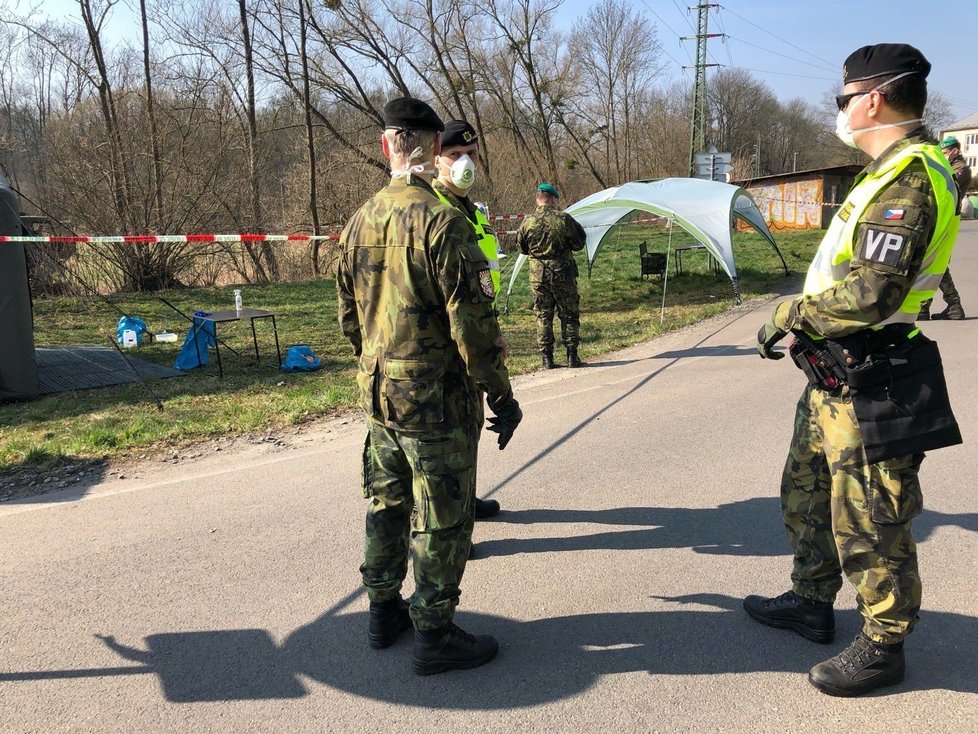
846 516
948 290
554 286
421 488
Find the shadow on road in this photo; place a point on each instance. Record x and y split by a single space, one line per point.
597 414
750 527
540 661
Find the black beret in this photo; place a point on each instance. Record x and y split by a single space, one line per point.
884 59
458 132
408 113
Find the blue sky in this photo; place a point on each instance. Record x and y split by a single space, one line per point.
809 39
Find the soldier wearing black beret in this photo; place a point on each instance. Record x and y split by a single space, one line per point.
876 398
416 303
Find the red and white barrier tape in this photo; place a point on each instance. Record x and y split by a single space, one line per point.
160 239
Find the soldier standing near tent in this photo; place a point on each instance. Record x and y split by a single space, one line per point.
550 238
962 178
416 302
457 168
876 399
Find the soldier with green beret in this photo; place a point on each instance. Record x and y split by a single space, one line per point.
416 302
550 238
962 178
876 398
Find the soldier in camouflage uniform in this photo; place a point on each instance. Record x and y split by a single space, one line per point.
550 238
416 302
962 178
843 513
458 167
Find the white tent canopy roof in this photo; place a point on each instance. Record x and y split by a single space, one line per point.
706 209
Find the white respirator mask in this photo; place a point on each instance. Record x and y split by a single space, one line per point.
463 172
843 129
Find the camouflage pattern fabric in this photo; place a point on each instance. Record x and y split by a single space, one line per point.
872 292
962 179
422 493
949 290
962 175
416 303
846 516
554 287
550 238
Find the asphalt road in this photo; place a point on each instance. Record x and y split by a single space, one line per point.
640 499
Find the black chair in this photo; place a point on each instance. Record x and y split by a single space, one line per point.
653 263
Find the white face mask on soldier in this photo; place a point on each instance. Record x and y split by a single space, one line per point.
843 128
463 172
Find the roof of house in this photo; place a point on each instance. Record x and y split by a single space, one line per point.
971 121
847 170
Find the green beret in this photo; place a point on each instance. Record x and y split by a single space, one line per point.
408 113
950 142
884 59
546 188
458 133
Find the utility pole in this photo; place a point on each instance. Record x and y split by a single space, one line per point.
757 157
794 166
697 132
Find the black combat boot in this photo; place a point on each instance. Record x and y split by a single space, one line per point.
548 359
813 620
924 314
450 648
860 668
485 508
954 312
388 619
572 359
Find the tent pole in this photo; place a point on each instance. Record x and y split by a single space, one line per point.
665 279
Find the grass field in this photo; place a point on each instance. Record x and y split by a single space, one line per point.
618 308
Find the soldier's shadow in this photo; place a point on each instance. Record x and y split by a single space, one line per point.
540 661
751 527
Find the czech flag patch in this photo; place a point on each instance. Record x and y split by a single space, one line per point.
893 214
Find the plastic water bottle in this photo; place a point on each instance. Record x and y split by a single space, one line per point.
129 339
237 302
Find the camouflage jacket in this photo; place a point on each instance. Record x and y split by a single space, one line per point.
550 234
416 302
962 175
871 292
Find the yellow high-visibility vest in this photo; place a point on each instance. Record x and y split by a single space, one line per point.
832 261
486 235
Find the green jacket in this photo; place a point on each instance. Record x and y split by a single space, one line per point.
416 302
550 234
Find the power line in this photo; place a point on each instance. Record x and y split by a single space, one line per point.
782 73
820 67
774 35
672 31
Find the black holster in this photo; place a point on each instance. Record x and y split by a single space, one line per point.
896 384
900 399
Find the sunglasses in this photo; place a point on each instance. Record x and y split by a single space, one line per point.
842 100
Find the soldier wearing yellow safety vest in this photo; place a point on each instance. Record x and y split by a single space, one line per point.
876 399
457 166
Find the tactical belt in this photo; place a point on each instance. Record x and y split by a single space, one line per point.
896 383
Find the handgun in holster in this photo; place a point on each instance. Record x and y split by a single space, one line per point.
820 366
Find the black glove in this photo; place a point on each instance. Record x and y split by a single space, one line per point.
507 416
775 330
767 337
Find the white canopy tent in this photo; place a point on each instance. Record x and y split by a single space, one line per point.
707 210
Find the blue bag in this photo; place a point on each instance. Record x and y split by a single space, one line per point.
135 324
300 358
200 337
